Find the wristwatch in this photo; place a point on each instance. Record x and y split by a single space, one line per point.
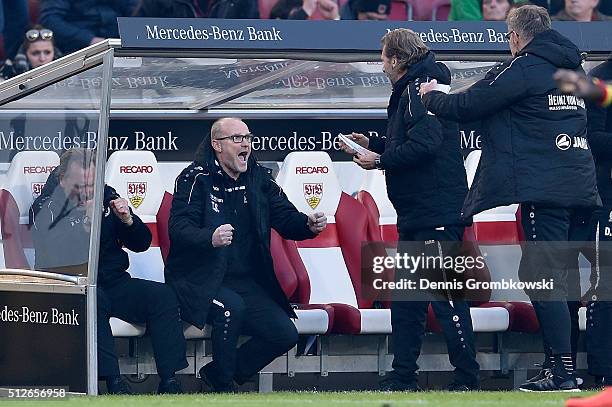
377 163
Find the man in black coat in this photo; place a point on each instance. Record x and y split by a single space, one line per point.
61 220
536 154
220 263
78 24
426 183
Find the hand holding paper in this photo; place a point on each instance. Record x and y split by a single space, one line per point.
352 146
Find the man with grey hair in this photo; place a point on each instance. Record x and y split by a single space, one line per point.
535 152
423 152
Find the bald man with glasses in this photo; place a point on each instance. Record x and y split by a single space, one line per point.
220 265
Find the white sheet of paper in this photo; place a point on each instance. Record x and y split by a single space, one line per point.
353 145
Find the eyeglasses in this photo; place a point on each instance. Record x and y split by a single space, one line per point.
508 35
238 138
44 34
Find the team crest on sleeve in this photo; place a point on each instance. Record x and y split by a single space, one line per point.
37 189
136 192
313 194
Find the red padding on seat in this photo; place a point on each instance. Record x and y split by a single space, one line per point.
327 238
302 293
347 319
352 224
282 266
374 229
496 232
154 237
163 217
12 231
524 318
326 307
389 233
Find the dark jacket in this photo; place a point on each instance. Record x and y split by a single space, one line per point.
195 269
205 8
563 16
420 154
600 136
76 22
534 146
60 239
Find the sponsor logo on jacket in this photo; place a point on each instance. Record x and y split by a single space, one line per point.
564 142
565 102
313 194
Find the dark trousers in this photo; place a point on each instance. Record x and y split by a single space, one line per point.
548 260
142 302
581 238
243 307
408 319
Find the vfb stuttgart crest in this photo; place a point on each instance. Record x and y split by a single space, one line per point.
37 189
136 192
313 194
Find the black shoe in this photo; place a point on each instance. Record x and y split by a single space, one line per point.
116 385
392 384
552 382
169 386
461 387
542 374
211 385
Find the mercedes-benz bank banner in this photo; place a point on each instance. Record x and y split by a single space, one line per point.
43 340
178 139
334 36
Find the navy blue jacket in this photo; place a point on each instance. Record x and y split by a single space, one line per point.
195 269
600 137
420 154
76 22
534 146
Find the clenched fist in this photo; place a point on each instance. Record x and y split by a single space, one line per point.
223 235
317 222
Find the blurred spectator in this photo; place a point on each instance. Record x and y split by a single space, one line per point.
553 6
465 10
496 10
580 10
304 9
38 48
13 23
366 10
198 8
78 24
487 10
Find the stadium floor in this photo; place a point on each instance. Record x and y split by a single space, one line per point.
315 399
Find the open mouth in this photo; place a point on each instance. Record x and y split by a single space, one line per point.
243 156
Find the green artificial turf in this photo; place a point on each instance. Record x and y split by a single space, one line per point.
315 399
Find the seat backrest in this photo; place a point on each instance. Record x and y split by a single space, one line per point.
25 179
400 10
332 259
136 177
381 213
440 10
495 225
